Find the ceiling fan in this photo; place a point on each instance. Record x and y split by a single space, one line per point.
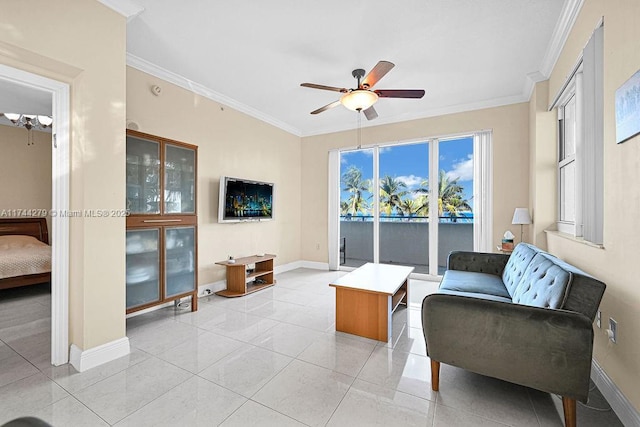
362 97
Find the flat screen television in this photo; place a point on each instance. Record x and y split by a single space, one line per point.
245 200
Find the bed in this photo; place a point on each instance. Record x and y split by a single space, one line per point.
25 254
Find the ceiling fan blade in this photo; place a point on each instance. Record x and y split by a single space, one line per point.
326 107
400 93
378 72
370 113
323 87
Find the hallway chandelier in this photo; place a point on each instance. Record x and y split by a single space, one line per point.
29 122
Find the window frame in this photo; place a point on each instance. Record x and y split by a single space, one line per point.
587 84
570 92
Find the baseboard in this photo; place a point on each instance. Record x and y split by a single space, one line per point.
301 264
315 265
87 359
625 411
287 267
220 285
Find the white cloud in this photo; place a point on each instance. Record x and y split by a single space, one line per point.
463 170
411 181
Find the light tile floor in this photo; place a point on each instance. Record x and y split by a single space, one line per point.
271 359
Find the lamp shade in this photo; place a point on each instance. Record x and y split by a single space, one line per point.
521 216
359 100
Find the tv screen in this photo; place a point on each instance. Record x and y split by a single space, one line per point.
245 200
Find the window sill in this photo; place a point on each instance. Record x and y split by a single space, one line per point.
573 238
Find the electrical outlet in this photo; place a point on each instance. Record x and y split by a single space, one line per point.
599 319
613 327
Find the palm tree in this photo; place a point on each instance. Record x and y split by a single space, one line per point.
449 196
454 206
344 207
353 183
409 207
391 194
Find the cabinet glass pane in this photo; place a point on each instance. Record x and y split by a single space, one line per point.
179 185
143 267
143 171
179 243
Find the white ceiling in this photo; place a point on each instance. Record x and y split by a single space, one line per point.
16 98
253 55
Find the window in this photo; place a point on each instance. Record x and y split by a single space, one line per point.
410 202
580 146
567 162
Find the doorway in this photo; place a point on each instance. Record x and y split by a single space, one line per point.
59 230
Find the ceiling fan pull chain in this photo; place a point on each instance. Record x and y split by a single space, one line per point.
359 129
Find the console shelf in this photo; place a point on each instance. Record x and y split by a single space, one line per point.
240 283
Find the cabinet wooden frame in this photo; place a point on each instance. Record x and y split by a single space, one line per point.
163 221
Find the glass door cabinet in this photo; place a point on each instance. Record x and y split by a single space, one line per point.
161 242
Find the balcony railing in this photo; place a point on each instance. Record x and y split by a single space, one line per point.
403 240
466 218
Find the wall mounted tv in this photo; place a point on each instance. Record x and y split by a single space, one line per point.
245 200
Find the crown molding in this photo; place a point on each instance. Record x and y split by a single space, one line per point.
171 77
530 83
568 16
126 8
197 88
560 34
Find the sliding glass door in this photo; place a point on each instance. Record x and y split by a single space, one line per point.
356 207
408 203
403 191
455 198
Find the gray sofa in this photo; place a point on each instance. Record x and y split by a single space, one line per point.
525 318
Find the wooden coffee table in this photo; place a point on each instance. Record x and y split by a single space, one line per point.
367 297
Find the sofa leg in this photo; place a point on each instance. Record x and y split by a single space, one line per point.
435 375
569 406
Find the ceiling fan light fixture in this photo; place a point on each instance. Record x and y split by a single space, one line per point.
359 99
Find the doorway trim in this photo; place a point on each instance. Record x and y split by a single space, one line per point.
60 171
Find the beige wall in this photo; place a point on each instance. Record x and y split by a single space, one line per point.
510 159
543 164
616 264
82 43
233 144
25 170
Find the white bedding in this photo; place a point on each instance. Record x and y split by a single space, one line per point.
22 255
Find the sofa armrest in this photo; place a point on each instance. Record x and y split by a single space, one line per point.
477 261
546 349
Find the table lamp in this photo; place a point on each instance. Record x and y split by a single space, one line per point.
521 216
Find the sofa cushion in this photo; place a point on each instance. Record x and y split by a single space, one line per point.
516 266
473 282
475 295
543 284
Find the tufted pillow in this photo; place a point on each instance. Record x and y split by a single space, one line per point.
544 284
517 264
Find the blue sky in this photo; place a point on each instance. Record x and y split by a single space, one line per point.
410 163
